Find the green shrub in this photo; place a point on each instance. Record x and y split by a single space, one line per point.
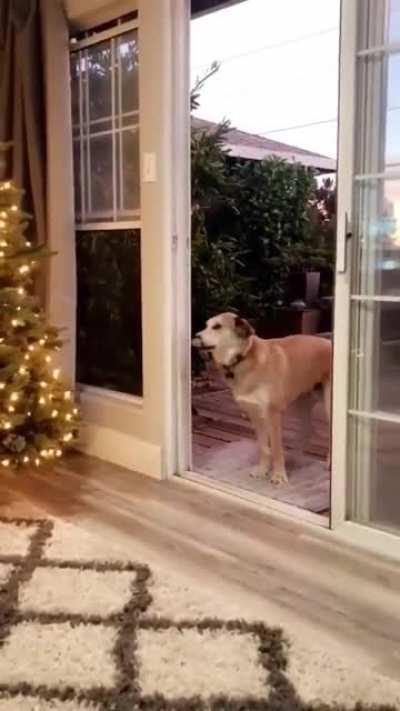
254 224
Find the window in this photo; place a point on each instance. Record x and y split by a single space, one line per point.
109 350
105 125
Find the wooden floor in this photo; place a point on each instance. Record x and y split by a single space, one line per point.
224 448
264 564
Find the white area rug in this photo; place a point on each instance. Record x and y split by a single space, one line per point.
83 627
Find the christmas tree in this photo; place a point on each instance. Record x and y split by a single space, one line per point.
38 419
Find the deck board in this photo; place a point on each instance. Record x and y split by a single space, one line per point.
224 448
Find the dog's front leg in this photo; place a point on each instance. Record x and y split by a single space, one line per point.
261 427
278 475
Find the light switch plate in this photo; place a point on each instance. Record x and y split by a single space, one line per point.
149 168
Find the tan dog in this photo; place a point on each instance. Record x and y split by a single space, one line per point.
266 376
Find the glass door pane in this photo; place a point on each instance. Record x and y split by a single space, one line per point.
374 393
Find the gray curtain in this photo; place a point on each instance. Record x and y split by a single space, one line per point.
22 106
35 115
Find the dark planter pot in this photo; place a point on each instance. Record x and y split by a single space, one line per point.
326 314
305 286
287 321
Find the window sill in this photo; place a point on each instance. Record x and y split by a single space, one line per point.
101 394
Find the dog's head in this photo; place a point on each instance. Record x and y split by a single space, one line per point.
224 336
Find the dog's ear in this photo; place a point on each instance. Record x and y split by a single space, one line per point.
243 328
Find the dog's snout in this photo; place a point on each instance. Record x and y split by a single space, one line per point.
196 341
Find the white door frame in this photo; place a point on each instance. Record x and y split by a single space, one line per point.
341 327
181 276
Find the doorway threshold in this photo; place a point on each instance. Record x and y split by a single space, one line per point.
261 502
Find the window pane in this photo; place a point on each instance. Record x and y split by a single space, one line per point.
376 243
130 170
129 62
109 352
375 357
101 177
379 113
374 377
105 110
77 179
392 143
374 457
75 69
394 21
380 22
130 120
101 126
99 71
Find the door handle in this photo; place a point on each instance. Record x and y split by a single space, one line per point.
343 236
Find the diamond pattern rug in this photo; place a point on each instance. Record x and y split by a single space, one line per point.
83 631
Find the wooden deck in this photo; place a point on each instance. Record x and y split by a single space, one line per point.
224 448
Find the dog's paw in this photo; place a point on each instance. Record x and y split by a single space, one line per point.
261 471
279 477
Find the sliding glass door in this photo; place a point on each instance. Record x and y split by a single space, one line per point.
369 276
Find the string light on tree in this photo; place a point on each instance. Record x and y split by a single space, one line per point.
38 417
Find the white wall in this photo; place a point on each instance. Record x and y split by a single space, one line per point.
140 435
87 13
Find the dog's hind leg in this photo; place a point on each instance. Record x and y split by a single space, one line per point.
328 404
304 406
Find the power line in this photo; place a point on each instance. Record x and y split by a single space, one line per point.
300 125
277 45
313 123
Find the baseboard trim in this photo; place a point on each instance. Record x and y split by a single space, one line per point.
122 449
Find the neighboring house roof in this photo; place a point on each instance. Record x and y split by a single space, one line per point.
200 7
253 147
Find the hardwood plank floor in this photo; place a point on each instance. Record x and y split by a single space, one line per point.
259 561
